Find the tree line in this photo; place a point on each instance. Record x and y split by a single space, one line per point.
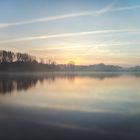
10 61
8 56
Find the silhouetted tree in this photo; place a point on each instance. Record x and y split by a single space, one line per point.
71 66
7 56
24 57
42 61
11 56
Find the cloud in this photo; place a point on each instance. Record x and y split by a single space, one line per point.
71 34
125 8
104 10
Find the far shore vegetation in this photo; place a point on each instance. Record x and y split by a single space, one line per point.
23 62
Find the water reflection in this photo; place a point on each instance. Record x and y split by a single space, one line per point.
77 106
23 81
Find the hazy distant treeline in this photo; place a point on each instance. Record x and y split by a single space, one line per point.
21 62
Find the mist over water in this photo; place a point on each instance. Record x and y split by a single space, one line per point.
75 106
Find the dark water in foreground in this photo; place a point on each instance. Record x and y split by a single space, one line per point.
83 106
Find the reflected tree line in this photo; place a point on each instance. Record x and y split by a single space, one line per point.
7 85
18 82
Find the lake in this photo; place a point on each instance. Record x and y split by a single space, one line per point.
70 106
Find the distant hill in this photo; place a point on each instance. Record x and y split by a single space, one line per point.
134 69
103 67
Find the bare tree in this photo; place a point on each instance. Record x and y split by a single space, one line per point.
7 56
71 65
24 57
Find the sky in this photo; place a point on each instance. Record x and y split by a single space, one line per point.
84 31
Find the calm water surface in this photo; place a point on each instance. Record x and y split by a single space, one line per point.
72 106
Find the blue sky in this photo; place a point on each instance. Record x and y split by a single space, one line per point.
85 31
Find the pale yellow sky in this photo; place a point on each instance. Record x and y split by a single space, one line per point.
88 32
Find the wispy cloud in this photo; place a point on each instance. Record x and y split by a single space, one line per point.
58 17
104 10
71 34
125 8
